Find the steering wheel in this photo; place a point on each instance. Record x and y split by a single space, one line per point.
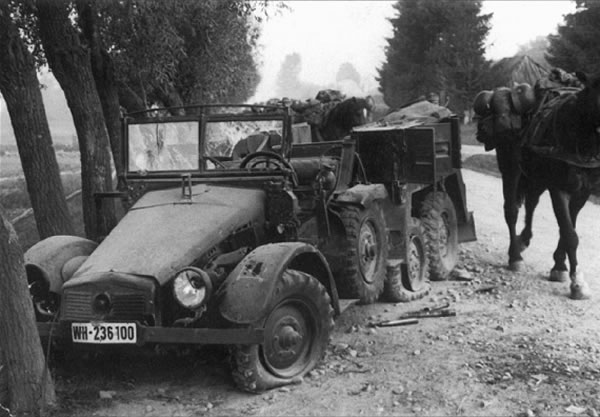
268 158
214 161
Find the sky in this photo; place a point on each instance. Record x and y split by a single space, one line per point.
329 33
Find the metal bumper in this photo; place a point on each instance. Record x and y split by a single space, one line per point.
171 335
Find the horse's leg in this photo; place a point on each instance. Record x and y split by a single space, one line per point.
579 287
568 241
510 171
532 198
560 204
559 272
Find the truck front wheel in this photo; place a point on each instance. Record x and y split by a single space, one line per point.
441 234
297 332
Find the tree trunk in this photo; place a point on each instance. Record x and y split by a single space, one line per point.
130 99
69 60
30 386
21 90
104 76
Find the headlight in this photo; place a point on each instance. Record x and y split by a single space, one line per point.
192 287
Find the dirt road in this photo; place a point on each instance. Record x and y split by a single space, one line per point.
517 346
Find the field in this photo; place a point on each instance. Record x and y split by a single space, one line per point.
15 199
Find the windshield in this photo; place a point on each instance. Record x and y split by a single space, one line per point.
171 146
223 139
174 146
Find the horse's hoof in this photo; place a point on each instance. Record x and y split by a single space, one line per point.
516 266
579 288
580 292
558 276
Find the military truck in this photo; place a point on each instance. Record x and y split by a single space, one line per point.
255 252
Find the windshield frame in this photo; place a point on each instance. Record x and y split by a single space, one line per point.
203 117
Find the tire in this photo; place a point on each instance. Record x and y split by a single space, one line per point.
412 282
365 250
302 312
438 216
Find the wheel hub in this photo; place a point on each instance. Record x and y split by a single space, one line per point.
287 341
415 265
368 251
288 337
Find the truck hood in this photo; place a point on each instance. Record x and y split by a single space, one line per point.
163 233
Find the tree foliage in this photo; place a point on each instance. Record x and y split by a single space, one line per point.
437 45
288 77
182 52
288 81
575 47
347 71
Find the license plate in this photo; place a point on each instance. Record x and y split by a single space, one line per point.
114 333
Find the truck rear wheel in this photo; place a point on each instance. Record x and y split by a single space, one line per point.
412 282
297 332
441 234
365 251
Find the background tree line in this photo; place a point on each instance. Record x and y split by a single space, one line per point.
439 46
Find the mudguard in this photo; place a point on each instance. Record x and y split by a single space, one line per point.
56 259
248 292
362 194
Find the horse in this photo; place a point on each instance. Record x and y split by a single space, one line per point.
560 152
564 157
500 128
341 118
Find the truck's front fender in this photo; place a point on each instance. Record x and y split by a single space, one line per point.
56 258
248 292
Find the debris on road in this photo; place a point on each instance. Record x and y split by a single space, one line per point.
486 289
392 323
437 311
574 409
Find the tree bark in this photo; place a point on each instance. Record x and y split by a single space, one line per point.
21 91
129 99
30 386
104 76
70 62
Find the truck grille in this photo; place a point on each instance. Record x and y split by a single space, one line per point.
129 306
77 305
